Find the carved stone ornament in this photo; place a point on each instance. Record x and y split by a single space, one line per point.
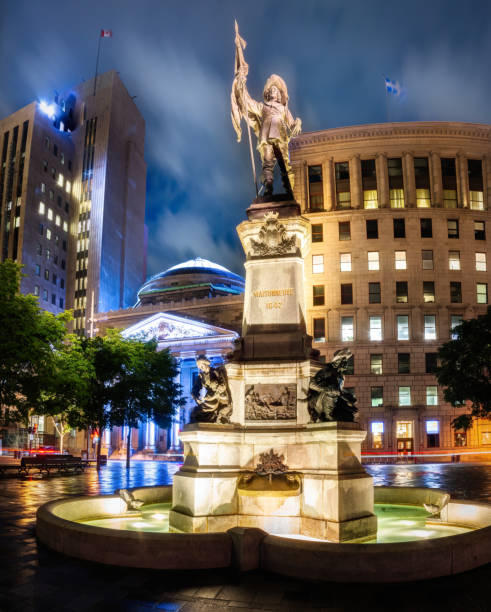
271 464
276 402
273 238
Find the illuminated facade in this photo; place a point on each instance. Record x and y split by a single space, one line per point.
193 308
72 198
400 255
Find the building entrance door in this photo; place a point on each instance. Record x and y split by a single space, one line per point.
404 436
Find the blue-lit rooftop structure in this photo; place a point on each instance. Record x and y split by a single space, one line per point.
195 278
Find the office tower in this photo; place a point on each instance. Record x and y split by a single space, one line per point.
72 194
400 254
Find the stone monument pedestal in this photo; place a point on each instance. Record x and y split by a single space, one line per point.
325 492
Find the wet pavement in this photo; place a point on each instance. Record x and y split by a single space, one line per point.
35 578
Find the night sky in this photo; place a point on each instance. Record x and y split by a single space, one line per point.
177 57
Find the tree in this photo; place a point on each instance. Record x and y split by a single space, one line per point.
464 370
29 338
100 360
69 387
145 388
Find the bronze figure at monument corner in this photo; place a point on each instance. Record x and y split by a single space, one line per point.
271 120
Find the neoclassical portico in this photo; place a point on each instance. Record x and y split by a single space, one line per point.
186 339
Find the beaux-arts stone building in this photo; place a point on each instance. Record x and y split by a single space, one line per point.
399 255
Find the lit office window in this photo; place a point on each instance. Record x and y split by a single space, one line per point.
428 291
377 429
449 198
404 396
48 233
476 200
431 396
454 260
376 364
423 198
345 262
430 327
50 214
68 186
60 180
375 324
402 327
319 330
373 260
65 226
370 199
481 262
396 198
482 293
432 434
42 208
317 264
455 321
58 220
427 260
347 333
377 396
36 290
400 260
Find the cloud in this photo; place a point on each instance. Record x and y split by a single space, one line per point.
445 87
185 235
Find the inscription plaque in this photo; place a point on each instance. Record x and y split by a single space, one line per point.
271 402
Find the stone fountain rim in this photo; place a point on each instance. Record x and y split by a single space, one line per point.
251 548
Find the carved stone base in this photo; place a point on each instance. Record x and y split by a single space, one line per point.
333 499
276 203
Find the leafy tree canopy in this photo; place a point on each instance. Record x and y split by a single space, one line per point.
29 338
464 370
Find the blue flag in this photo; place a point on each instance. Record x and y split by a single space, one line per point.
394 88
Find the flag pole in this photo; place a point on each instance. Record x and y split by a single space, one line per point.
97 62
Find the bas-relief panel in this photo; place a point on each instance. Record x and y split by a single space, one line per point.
275 402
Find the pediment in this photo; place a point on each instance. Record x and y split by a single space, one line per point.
169 328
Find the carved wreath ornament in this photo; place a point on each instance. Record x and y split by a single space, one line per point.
273 238
271 463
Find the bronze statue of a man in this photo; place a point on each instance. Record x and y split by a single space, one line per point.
211 394
271 120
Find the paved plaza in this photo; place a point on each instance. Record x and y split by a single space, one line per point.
34 578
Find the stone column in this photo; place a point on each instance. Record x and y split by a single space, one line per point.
382 180
149 435
409 180
328 184
436 180
464 180
355 182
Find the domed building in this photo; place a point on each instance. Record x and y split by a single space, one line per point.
193 308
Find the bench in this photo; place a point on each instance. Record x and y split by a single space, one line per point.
46 463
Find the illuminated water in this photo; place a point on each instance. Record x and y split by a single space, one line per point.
395 523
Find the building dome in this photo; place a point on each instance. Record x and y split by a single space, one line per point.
195 278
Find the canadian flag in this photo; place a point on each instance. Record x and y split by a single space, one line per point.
106 33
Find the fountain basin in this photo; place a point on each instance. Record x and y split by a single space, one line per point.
59 527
